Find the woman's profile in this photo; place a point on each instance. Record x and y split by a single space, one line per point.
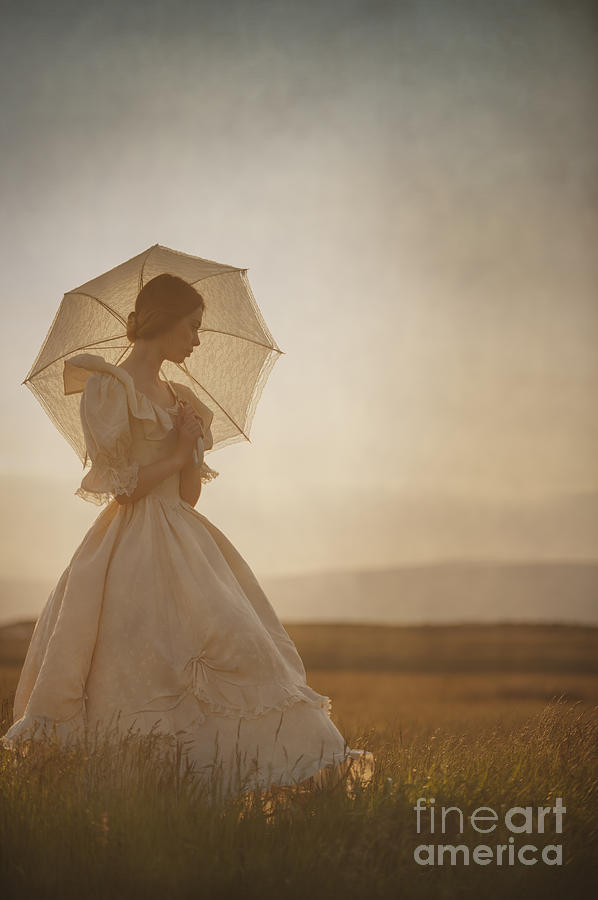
158 622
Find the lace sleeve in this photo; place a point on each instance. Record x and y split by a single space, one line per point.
206 473
105 419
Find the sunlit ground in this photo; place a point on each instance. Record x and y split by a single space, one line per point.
76 825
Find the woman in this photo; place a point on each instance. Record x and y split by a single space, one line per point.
158 623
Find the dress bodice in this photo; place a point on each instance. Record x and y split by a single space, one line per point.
146 451
125 429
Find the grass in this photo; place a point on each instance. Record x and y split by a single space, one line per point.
104 821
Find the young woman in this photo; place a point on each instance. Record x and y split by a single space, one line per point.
158 623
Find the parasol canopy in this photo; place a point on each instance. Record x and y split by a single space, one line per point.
227 372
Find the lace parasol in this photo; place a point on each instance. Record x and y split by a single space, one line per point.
227 373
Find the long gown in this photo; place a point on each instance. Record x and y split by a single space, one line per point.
159 624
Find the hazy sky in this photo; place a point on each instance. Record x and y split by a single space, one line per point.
413 189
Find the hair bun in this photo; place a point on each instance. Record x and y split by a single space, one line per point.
131 325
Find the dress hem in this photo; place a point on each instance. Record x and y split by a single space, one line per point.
311 698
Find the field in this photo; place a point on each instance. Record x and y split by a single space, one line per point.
499 717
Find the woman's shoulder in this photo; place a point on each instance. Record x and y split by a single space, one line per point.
105 388
104 402
107 380
86 372
104 396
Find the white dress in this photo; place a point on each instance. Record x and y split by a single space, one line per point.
158 623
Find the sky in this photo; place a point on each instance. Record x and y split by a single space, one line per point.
412 188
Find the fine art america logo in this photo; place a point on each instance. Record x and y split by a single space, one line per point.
519 820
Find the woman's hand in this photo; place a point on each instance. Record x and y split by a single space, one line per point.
190 428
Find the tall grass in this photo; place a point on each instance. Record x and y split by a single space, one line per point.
127 819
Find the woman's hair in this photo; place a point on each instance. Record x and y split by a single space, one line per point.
160 303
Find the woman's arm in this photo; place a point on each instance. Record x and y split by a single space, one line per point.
151 475
190 483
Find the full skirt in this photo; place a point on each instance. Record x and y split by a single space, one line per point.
159 625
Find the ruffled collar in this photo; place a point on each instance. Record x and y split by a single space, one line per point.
156 418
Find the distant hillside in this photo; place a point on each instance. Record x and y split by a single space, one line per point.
555 649
442 593
522 648
437 593
14 640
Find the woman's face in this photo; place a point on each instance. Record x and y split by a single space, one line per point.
183 337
